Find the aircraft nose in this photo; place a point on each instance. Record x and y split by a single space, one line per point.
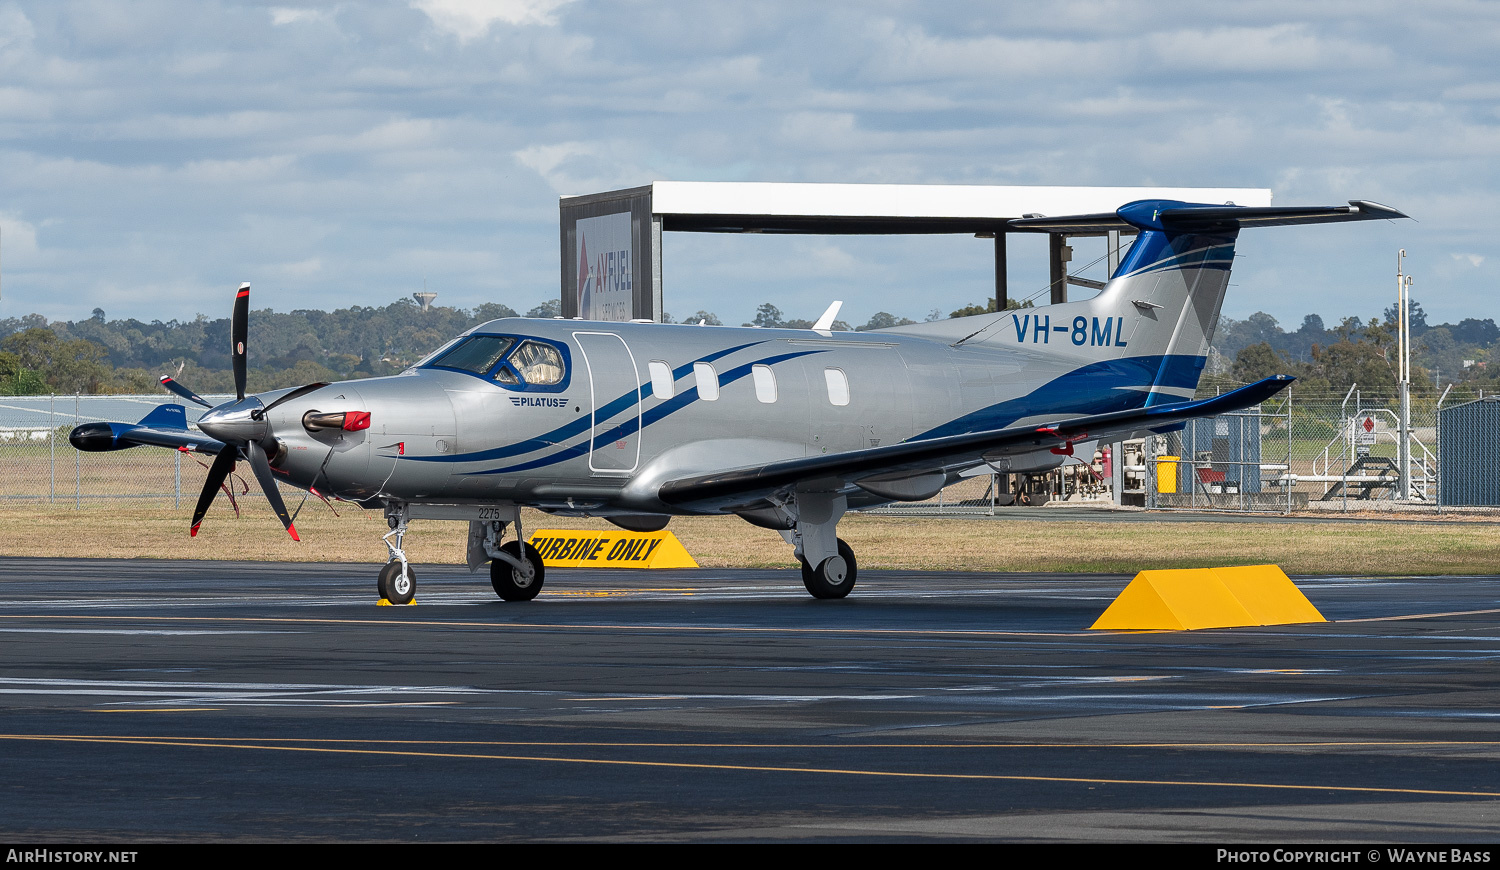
239 422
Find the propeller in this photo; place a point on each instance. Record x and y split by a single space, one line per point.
239 331
172 385
241 425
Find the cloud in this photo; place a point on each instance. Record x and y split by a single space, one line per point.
17 240
282 15
469 20
1475 260
571 168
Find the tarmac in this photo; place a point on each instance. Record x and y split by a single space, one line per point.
159 701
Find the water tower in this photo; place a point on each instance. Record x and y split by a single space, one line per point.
424 298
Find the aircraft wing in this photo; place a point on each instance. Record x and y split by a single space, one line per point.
745 485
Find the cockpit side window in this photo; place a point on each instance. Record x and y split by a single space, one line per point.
477 354
538 364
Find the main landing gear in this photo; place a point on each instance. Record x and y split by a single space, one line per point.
516 570
517 582
829 568
834 576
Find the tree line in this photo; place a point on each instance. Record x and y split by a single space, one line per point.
99 355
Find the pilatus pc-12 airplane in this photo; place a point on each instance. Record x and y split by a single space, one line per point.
788 429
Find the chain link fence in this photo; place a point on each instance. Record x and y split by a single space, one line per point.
39 467
1288 455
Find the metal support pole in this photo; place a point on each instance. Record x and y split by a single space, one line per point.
1056 251
52 444
1403 355
1002 273
1148 456
77 462
1112 241
656 258
1116 473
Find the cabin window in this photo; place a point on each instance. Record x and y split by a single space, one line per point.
765 383
476 354
538 364
662 384
708 381
838 386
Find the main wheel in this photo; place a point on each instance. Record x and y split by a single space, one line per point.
834 577
512 583
395 586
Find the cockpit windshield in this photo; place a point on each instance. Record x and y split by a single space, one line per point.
514 363
477 354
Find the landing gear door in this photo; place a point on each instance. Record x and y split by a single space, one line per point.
615 388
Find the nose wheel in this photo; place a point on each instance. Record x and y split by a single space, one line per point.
397 583
519 577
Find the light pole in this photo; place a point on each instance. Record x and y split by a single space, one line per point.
1403 364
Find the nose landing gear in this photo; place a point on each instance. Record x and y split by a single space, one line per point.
397 583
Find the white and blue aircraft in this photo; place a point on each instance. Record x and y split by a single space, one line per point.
787 429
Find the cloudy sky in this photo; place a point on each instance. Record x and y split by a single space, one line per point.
153 154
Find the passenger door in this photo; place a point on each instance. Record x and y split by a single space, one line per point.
615 392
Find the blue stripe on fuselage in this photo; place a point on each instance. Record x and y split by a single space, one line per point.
628 427
1097 388
577 426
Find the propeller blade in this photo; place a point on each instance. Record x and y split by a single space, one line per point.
261 465
239 330
184 392
296 394
223 464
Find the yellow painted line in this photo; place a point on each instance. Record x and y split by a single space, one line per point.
748 768
726 629
161 710
603 698
396 704
1423 615
418 623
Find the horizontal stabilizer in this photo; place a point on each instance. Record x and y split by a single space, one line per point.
1173 216
165 426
